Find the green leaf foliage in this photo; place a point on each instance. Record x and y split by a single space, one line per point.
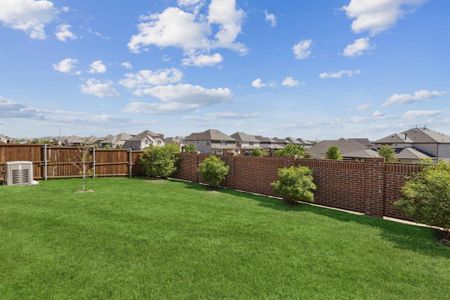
190 148
426 196
295 183
259 153
160 162
291 150
214 171
388 153
334 153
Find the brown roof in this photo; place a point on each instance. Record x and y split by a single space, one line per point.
395 138
243 137
366 153
416 135
143 134
209 135
319 150
364 141
411 153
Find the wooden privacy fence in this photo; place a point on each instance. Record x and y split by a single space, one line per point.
65 162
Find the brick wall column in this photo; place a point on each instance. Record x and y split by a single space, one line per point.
374 187
230 181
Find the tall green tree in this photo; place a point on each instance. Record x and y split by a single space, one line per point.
291 150
334 153
388 153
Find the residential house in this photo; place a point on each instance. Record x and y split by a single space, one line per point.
281 142
246 143
349 148
305 143
268 144
428 142
144 139
114 141
73 141
4 139
179 140
212 141
292 140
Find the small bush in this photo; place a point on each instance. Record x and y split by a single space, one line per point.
334 153
426 196
295 183
214 171
160 162
190 148
388 153
258 153
291 150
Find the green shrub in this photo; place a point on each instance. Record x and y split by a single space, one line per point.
388 153
259 153
426 196
334 153
295 183
190 148
160 162
214 171
291 150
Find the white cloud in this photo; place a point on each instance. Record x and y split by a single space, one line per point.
99 88
302 49
15 110
290 81
418 96
180 97
358 47
221 115
97 66
258 83
65 65
229 18
127 65
339 74
203 60
362 107
63 33
377 114
377 16
191 32
29 16
147 78
270 18
414 114
173 27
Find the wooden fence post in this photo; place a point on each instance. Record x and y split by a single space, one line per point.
93 162
130 162
45 163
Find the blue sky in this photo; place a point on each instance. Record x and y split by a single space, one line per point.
311 69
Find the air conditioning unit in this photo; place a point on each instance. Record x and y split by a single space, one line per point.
19 173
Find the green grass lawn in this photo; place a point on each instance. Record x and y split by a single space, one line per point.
134 238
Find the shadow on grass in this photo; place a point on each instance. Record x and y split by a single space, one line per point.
408 237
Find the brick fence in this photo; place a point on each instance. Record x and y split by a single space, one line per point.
369 186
